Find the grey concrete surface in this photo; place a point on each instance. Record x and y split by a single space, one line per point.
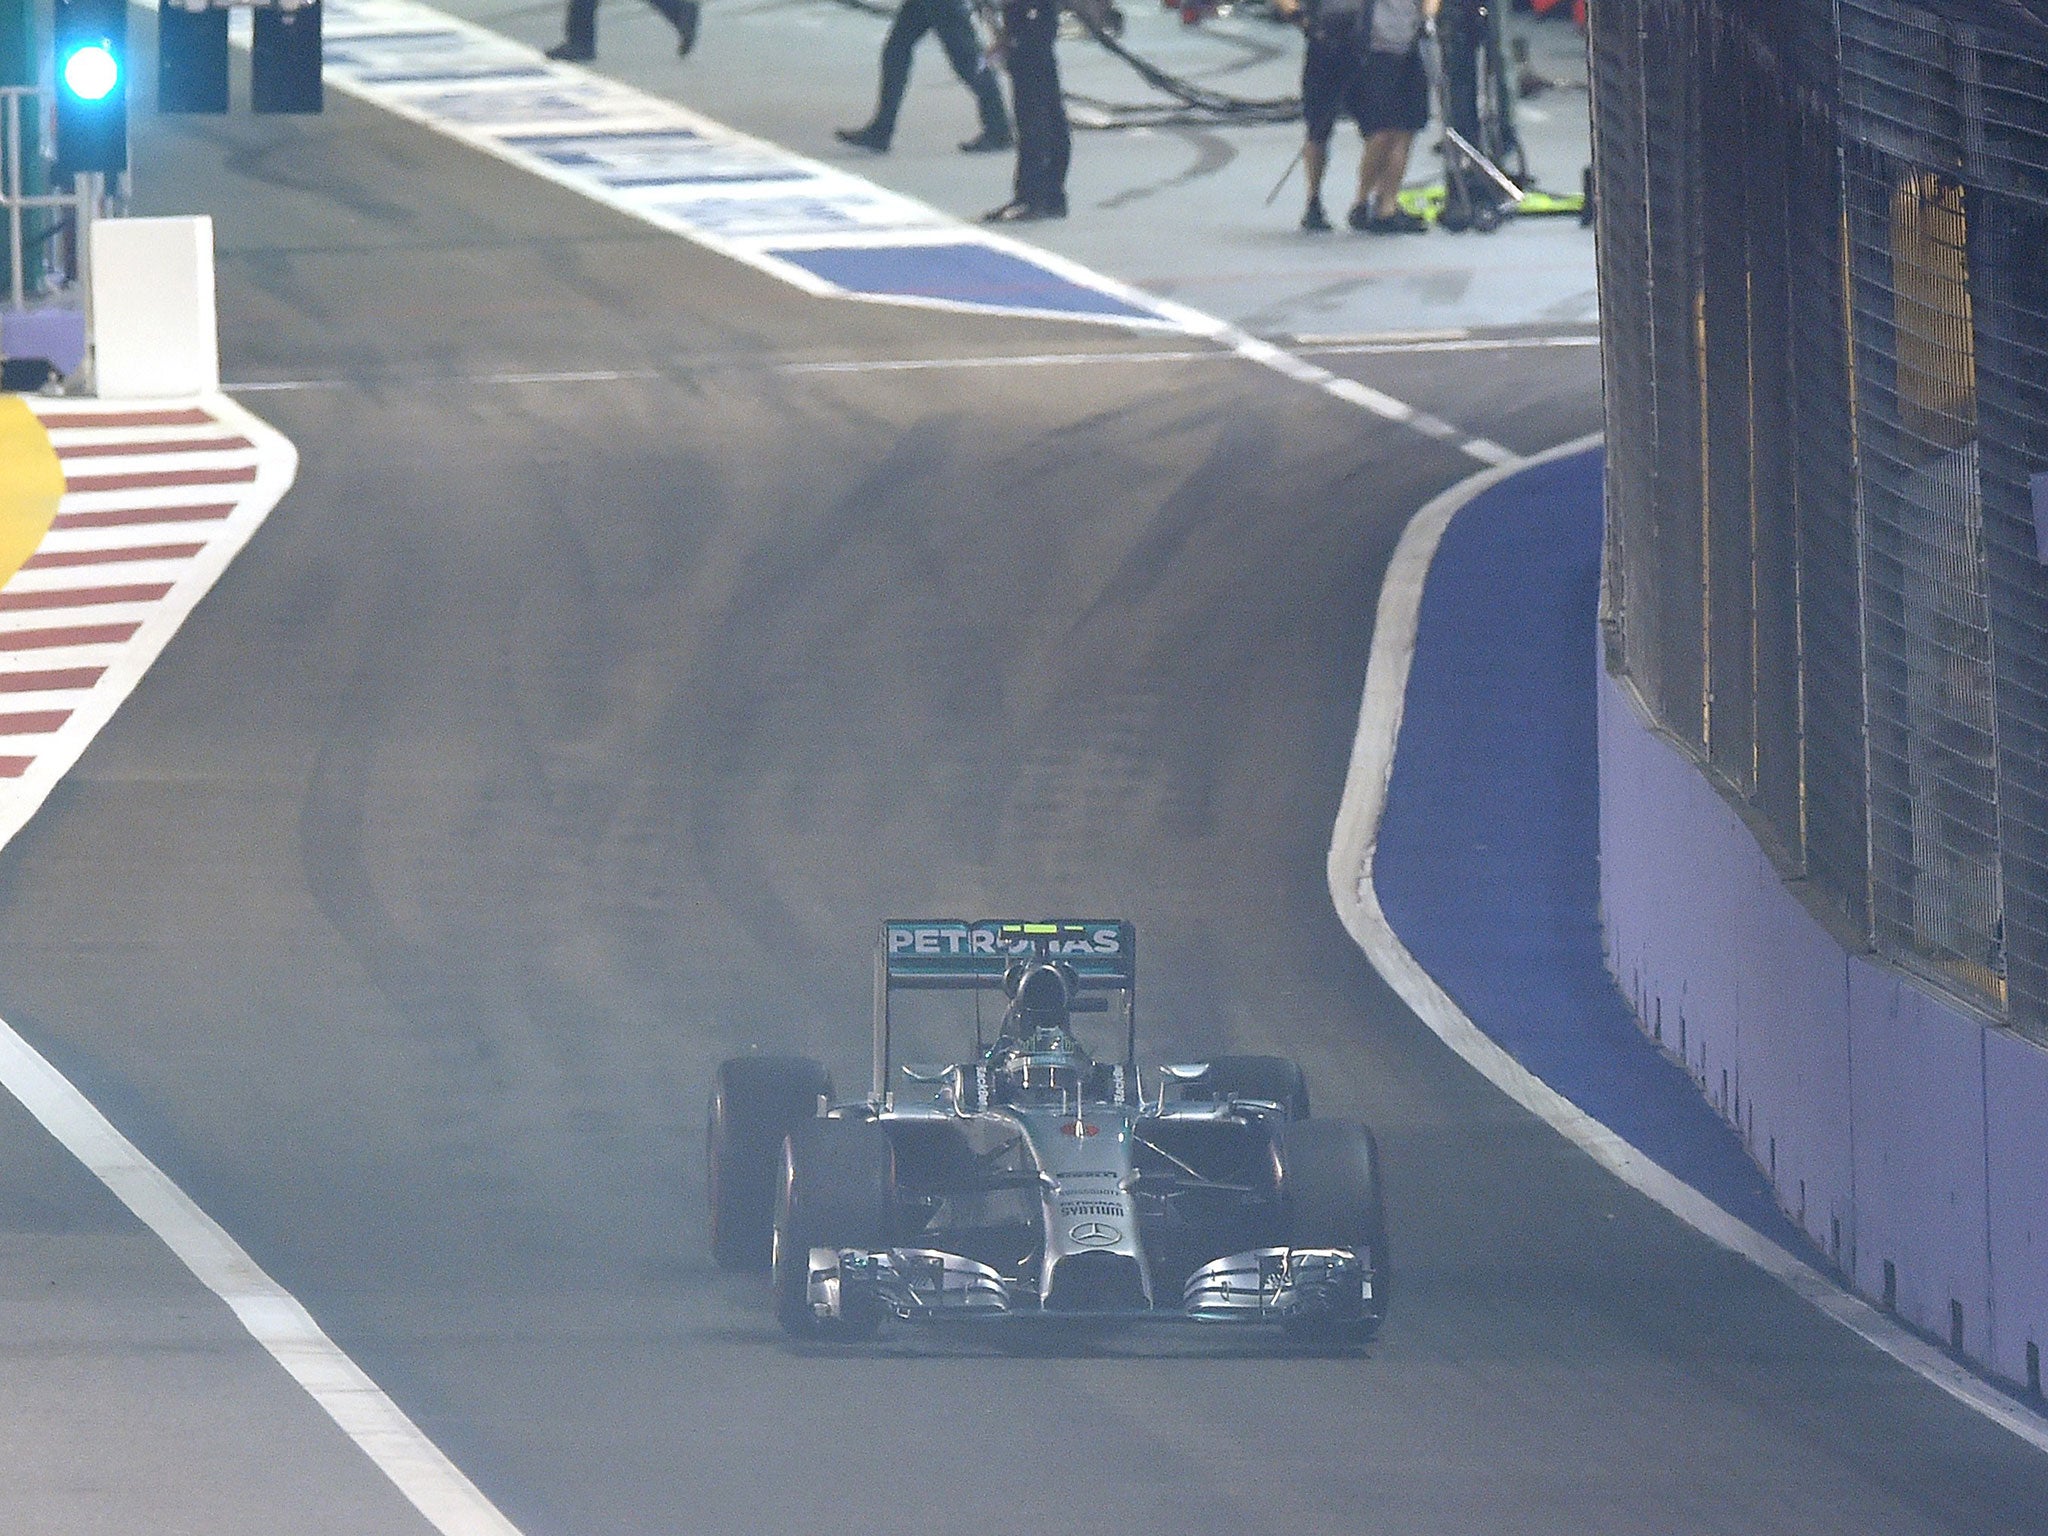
1180 211
556 739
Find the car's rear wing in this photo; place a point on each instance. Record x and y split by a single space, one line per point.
943 953
951 953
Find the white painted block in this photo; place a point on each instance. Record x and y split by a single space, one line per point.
154 333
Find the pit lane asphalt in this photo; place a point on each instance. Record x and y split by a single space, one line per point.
555 739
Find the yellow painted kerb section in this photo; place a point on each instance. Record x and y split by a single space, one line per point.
31 480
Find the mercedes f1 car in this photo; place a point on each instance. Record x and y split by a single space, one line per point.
1034 1180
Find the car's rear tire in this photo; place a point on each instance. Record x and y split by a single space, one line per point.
837 1189
1275 1079
1331 1198
754 1103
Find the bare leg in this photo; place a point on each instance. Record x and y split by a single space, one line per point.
1315 159
1372 166
1393 168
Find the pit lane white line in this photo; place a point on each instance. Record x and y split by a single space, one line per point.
1353 844
267 386
1001 360
907 364
1350 391
580 376
573 376
845 365
1369 348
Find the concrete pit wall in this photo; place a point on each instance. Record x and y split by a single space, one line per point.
1899 1128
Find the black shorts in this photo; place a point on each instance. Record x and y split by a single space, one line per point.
1378 91
1392 92
1329 77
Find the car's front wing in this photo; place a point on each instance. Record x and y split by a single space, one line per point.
1286 1286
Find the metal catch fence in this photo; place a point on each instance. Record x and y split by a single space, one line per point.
1824 269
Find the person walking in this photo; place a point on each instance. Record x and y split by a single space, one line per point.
579 28
1044 142
948 18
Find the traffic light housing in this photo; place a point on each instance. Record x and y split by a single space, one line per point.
92 86
192 56
284 59
191 59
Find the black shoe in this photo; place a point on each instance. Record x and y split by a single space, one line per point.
686 27
1017 211
863 138
1360 217
988 142
571 53
1313 219
1399 222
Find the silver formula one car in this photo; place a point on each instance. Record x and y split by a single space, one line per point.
1036 1181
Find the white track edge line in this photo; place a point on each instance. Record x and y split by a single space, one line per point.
272 1316
1353 845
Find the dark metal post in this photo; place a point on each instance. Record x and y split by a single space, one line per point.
879 1092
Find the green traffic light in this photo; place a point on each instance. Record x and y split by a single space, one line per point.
91 72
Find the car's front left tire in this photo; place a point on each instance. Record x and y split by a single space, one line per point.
755 1102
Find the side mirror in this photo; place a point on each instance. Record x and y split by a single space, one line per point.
1185 1071
928 1074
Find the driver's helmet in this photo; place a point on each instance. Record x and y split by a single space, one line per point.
1038 1062
1041 998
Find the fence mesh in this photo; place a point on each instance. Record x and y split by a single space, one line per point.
1825 306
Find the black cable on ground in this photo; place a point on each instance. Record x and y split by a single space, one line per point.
1193 103
1096 115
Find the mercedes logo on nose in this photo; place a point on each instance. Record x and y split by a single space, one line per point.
1094 1234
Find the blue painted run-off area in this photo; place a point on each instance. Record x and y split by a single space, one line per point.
965 273
1488 862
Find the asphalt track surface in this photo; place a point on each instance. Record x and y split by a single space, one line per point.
555 739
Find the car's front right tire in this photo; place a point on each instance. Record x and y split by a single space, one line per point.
1330 1197
836 1189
